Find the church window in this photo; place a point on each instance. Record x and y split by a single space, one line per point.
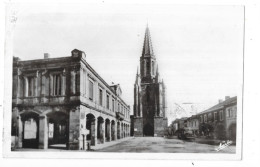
153 70
147 67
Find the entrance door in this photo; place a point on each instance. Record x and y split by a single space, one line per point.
148 130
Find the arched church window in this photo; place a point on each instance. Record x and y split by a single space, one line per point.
153 67
147 67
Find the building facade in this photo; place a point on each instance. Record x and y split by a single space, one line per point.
63 101
149 95
218 122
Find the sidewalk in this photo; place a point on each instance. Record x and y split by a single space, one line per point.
61 149
108 144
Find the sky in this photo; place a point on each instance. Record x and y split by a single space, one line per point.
199 48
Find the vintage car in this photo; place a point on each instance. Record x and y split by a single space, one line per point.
185 134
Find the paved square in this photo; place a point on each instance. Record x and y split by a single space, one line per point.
164 145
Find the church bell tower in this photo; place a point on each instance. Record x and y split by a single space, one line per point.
149 95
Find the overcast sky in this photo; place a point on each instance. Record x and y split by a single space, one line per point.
199 49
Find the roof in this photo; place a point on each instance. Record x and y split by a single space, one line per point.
221 105
147 47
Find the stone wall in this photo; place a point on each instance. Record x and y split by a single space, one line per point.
138 127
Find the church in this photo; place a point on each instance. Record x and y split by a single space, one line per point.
150 103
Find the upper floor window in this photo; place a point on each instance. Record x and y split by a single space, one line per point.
56 84
229 112
215 116
209 117
91 90
118 107
205 118
113 105
30 86
107 101
221 115
84 82
201 119
100 97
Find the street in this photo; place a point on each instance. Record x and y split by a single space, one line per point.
164 145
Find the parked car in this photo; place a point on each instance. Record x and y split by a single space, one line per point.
185 134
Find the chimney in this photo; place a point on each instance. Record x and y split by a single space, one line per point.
227 97
220 101
46 55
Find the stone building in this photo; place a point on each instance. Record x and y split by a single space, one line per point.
64 102
218 121
149 95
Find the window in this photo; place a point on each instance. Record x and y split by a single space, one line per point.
205 118
91 90
30 86
221 115
230 112
201 119
147 67
107 101
209 116
153 67
215 116
113 105
84 82
118 108
100 97
56 84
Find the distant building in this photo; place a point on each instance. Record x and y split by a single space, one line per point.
64 101
220 120
217 122
149 95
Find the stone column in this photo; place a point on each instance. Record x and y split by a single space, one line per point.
25 86
72 82
74 129
63 81
115 131
103 131
95 131
43 132
109 131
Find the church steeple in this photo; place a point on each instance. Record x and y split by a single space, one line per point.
147 60
147 47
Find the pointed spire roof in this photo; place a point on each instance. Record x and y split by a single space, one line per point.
147 47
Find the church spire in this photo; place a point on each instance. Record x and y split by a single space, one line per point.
147 47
